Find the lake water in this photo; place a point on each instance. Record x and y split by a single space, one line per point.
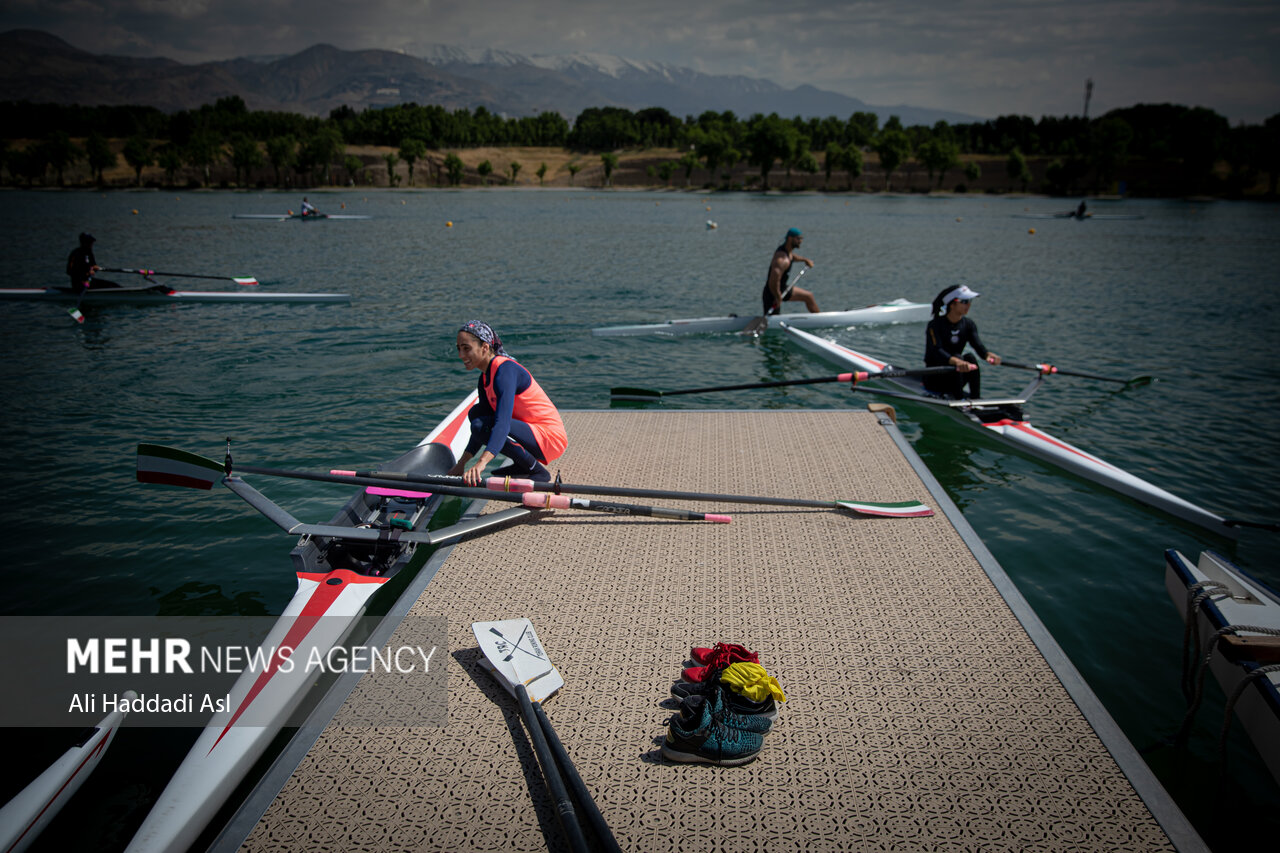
1189 293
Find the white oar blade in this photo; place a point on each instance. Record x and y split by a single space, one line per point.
514 654
246 282
168 466
899 509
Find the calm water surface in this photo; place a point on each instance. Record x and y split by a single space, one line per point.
1189 293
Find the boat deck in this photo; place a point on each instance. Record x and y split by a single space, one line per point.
927 707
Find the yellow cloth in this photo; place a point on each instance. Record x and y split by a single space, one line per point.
751 680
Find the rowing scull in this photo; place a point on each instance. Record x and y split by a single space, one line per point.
1002 419
896 311
158 294
340 566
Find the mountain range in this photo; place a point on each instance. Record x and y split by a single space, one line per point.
42 68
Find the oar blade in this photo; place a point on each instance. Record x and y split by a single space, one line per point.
169 466
1139 381
513 653
634 394
757 326
245 282
76 315
898 509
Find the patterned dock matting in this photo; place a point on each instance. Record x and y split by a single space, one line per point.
919 714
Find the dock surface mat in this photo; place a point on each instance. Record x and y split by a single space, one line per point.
919 714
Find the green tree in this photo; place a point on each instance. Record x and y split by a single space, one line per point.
99 154
940 156
515 170
972 172
688 162
60 152
453 167
831 158
392 159
485 169
412 149
1016 168
202 151
610 162
574 169
354 166
666 169
138 154
807 163
541 173
863 128
1109 147
282 151
769 138
893 146
245 156
322 149
169 158
851 162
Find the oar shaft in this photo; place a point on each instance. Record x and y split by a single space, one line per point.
843 377
555 784
576 786
1049 368
173 274
550 501
860 376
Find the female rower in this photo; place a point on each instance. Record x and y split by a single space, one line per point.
945 339
514 416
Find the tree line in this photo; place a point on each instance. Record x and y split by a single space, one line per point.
1081 153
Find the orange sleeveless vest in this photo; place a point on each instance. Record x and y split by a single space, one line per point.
534 407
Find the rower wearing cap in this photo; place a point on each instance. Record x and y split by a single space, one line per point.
514 416
81 265
946 337
776 290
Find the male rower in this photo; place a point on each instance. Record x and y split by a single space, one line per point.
81 265
776 290
309 209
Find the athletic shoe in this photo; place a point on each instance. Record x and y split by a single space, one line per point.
732 651
539 473
694 736
721 713
722 695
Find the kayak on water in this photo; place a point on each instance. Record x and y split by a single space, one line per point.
896 311
159 293
281 217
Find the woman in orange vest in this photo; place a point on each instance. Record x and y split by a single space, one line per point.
514 416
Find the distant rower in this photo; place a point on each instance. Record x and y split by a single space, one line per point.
81 265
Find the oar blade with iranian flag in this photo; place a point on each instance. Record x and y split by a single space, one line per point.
896 509
168 466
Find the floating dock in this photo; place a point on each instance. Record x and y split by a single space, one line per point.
927 707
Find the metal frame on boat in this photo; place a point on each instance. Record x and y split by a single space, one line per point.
340 567
156 294
1002 419
1224 600
885 313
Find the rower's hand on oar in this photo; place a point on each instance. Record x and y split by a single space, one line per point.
964 366
992 358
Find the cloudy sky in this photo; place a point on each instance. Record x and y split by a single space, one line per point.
981 57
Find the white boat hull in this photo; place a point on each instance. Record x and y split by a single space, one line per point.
1250 603
25 816
897 311
148 296
322 612
1021 435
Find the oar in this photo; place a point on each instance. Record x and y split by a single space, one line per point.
171 466
75 312
519 661
893 509
1047 369
247 281
860 376
760 324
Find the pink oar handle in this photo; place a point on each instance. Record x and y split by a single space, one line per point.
508 484
717 519
545 500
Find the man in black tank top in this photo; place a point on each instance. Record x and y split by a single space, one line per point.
776 289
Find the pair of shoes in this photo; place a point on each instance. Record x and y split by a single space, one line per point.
695 736
717 657
539 472
721 712
723 696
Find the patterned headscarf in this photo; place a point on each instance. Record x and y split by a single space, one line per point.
486 335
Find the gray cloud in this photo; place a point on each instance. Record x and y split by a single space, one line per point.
983 57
